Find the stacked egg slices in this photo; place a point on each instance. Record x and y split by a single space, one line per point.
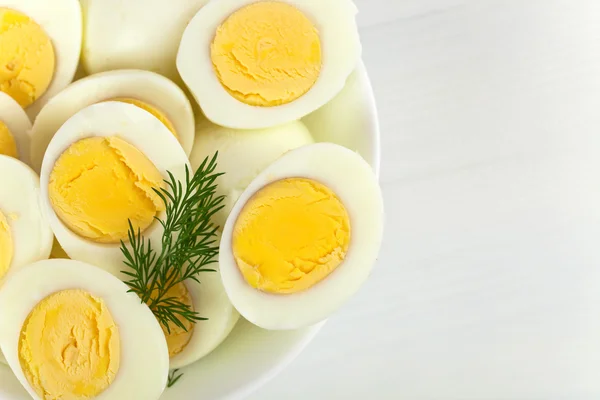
108 179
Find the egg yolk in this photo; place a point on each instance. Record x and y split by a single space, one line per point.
99 184
69 347
26 57
58 251
267 54
152 110
290 235
6 246
178 338
8 146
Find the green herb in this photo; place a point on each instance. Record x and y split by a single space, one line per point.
188 245
173 377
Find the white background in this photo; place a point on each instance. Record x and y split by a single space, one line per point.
488 284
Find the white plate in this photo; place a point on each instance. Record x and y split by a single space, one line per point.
251 356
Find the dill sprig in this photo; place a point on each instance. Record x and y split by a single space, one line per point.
188 245
173 377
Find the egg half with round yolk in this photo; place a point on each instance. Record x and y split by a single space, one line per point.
40 44
99 172
302 238
72 331
149 91
243 154
14 129
254 64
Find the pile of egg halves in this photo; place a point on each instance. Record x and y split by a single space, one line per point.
99 101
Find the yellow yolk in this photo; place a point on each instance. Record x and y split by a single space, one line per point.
6 246
69 346
100 183
290 235
8 147
58 251
178 338
152 110
26 57
267 54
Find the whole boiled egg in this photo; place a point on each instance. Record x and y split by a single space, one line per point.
140 34
14 129
72 331
210 301
25 234
151 92
252 64
243 154
41 44
100 172
303 237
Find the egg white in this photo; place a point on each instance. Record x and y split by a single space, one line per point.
145 86
144 363
140 129
210 301
141 34
62 22
21 205
353 181
243 154
341 51
349 119
18 123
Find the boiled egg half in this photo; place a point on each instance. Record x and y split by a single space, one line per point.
209 299
146 90
41 44
14 129
253 64
99 172
303 237
141 34
25 234
243 154
71 331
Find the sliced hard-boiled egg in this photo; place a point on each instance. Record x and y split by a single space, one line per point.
14 129
303 237
41 44
99 172
253 64
72 331
210 301
146 90
25 234
243 154
141 34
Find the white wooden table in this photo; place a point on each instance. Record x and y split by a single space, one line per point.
488 285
